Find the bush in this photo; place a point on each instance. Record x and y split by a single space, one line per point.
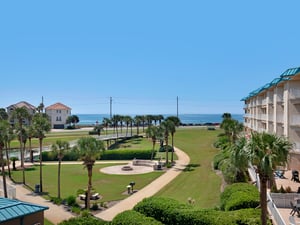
219 158
126 154
163 148
71 200
89 220
239 196
134 218
171 212
229 171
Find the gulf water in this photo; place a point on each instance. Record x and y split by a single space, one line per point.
91 119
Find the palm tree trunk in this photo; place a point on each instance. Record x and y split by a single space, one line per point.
153 146
23 168
90 171
41 168
167 151
172 155
3 173
7 147
58 179
30 151
263 200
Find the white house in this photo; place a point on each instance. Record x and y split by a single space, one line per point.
58 114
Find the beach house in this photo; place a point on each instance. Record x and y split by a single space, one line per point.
275 108
14 212
58 114
30 108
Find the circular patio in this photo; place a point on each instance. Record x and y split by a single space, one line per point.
119 169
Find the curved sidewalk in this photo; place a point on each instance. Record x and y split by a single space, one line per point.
149 190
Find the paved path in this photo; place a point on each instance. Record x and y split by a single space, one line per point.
57 214
149 190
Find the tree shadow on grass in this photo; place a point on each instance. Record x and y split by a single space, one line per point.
191 167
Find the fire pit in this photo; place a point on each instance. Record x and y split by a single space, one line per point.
127 168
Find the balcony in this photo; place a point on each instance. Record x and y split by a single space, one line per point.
294 94
279 118
295 120
279 98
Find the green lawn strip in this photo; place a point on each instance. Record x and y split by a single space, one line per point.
47 222
74 177
200 183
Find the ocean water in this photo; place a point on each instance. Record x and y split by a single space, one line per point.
91 119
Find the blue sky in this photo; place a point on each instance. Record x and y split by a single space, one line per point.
144 54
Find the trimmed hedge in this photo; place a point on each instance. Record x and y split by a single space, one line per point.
126 154
239 196
106 155
84 221
171 212
131 217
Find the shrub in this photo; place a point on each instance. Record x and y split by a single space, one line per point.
171 212
89 220
71 200
229 171
126 154
134 218
238 196
219 158
163 148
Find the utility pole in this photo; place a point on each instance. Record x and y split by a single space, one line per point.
177 107
110 107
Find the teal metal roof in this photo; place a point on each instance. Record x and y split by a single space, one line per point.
290 72
12 209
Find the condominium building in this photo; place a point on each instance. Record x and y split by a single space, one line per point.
275 108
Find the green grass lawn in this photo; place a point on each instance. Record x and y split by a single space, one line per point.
74 177
201 183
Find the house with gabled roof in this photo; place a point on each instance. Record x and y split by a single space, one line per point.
30 108
14 212
58 114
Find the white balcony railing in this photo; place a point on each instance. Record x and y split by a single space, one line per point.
295 120
279 118
294 94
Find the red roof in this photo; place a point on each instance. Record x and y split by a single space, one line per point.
58 105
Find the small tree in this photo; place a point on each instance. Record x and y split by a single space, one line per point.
59 148
89 150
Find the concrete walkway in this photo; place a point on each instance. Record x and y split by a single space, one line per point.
54 214
57 214
149 190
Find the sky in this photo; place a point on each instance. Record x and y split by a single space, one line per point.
144 54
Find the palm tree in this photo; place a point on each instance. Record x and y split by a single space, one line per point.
22 134
3 114
176 122
106 122
167 126
138 120
59 147
10 135
98 128
20 114
153 133
231 128
31 134
41 125
128 121
265 151
90 150
4 125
